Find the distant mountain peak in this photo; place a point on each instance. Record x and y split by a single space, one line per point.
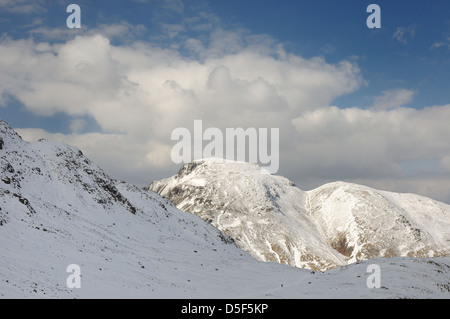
7 135
333 225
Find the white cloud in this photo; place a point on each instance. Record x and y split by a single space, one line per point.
445 163
122 30
373 145
445 43
92 77
203 22
370 136
404 34
77 125
393 98
22 6
176 6
173 29
145 91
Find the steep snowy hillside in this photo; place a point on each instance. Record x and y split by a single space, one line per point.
364 223
266 215
57 208
336 224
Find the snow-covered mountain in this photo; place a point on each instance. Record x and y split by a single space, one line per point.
333 225
57 208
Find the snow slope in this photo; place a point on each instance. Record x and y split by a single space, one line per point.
364 223
58 208
331 226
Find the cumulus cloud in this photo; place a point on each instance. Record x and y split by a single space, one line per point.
393 98
373 145
94 77
371 136
144 91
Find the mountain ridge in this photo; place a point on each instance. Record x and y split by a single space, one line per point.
343 222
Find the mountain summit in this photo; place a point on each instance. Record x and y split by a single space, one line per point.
334 225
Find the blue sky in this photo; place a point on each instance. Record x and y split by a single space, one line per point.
361 79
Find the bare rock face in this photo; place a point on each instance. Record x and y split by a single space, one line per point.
331 226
